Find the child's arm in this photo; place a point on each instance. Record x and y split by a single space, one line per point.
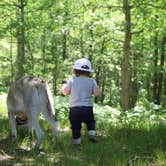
96 91
64 89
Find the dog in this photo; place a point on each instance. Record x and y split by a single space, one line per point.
27 98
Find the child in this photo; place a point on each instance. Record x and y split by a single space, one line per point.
80 88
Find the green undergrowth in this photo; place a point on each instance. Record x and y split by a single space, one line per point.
131 138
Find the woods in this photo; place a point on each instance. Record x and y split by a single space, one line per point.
125 40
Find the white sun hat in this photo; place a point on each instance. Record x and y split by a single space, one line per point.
83 65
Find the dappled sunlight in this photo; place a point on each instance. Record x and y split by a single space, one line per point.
3 106
66 129
4 156
133 138
127 144
117 47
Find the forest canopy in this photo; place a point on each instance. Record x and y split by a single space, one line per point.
125 40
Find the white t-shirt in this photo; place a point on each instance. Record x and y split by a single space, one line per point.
81 89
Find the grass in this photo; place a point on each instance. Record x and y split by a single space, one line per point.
131 139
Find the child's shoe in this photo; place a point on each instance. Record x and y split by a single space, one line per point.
77 141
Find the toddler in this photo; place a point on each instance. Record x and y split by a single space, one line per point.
80 88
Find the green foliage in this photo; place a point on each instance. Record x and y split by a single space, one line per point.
59 32
145 113
3 107
132 138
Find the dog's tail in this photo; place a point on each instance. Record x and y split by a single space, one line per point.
49 98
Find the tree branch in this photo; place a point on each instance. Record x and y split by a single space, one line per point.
137 32
148 5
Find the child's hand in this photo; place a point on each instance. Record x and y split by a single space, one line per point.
63 84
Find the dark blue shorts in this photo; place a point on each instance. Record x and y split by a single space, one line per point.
78 115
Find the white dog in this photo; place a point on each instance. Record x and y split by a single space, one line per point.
27 98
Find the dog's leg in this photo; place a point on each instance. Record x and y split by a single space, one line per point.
51 120
34 122
12 124
31 134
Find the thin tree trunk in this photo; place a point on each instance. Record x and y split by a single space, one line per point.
148 89
65 32
155 77
91 44
98 70
11 57
164 92
43 48
160 80
103 81
55 59
101 75
134 83
30 49
20 39
82 43
125 70
64 51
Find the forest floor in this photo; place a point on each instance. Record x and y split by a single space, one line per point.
134 139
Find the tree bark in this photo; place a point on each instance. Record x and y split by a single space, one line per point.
164 92
103 81
125 69
64 51
161 73
91 43
30 51
65 32
11 58
20 39
155 76
55 59
82 42
97 72
43 48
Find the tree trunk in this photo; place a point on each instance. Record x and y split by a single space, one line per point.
64 51
97 72
125 70
20 39
82 42
11 58
103 81
160 79
164 92
155 76
133 93
43 48
30 51
91 43
65 31
55 59
134 83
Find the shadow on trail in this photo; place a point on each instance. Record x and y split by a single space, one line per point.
127 146
12 151
131 145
